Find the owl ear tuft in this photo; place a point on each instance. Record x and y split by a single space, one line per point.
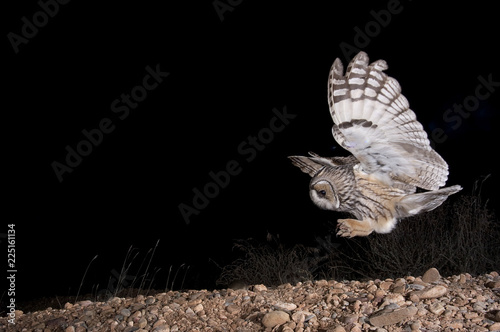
312 165
333 161
306 164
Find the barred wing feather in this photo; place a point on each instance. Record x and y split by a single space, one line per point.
374 122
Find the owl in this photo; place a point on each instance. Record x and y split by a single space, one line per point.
391 154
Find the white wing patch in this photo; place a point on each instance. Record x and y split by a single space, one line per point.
373 121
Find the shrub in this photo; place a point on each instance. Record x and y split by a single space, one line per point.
270 263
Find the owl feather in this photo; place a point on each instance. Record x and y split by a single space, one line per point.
374 122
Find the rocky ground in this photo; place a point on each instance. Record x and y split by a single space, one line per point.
427 303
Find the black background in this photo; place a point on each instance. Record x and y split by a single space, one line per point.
225 78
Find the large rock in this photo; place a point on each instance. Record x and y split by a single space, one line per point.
273 318
431 293
431 275
389 317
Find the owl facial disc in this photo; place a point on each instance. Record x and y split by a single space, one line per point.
323 195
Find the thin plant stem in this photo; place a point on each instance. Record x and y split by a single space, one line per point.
83 278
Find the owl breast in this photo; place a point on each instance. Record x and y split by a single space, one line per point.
373 199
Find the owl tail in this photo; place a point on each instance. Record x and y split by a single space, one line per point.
413 204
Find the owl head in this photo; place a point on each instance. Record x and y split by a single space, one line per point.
323 193
328 178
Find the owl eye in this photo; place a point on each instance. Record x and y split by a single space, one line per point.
322 193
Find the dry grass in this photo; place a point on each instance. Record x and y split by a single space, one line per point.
270 263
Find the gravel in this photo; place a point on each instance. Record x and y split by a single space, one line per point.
456 303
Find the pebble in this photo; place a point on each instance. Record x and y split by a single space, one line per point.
349 319
197 308
285 306
493 284
142 323
233 309
55 322
495 315
339 328
393 298
437 308
259 288
415 326
125 312
385 285
456 324
84 303
390 317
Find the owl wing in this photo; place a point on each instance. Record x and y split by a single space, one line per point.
374 122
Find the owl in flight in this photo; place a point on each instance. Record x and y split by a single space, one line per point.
391 155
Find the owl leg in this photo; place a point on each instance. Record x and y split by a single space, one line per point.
353 227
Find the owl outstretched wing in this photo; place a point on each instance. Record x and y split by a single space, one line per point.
374 122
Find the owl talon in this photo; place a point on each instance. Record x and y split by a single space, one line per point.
344 230
352 227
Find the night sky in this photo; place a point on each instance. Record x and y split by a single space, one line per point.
118 117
